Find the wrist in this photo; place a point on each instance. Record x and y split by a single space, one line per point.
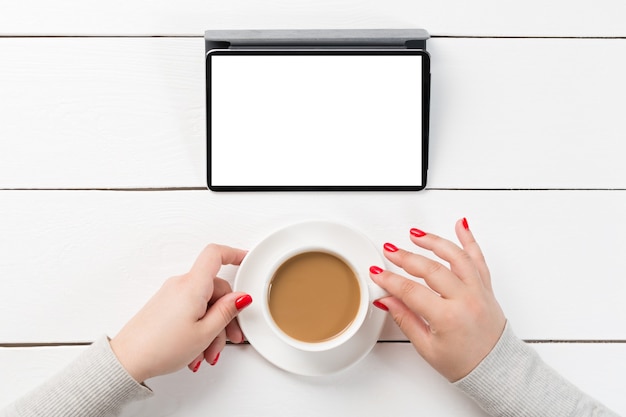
513 380
128 359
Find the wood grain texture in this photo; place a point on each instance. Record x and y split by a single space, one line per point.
101 113
192 17
130 113
394 379
80 263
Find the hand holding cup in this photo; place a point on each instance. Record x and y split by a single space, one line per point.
186 321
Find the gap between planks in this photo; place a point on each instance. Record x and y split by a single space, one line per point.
432 36
226 192
530 341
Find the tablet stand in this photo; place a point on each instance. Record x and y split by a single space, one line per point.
315 38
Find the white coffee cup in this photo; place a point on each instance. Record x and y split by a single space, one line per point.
294 355
367 293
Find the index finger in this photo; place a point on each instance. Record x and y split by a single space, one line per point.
213 257
208 264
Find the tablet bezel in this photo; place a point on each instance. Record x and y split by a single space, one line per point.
324 51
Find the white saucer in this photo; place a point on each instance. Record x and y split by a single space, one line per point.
259 262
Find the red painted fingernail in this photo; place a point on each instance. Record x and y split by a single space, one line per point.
375 270
243 301
380 305
465 225
417 232
216 358
195 368
390 247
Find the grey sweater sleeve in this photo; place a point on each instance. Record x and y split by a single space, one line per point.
94 384
513 381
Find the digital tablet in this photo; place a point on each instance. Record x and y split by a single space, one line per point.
317 119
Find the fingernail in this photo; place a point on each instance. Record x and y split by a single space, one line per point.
380 305
243 301
216 358
390 247
417 232
197 366
375 270
465 225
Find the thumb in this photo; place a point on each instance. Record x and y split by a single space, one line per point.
223 311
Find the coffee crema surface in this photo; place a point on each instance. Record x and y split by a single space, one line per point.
314 296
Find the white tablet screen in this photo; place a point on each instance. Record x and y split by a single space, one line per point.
315 119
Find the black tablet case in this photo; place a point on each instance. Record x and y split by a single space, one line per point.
321 38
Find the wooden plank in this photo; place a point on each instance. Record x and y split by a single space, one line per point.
393 377
527 113
129 113
192 17
77 264
85 113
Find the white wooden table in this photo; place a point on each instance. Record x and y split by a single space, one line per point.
102 188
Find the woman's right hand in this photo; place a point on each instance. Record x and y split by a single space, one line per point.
187 321
454 321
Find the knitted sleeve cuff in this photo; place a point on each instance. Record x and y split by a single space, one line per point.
94 384
513 381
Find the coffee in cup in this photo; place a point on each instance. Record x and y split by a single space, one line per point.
314 296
